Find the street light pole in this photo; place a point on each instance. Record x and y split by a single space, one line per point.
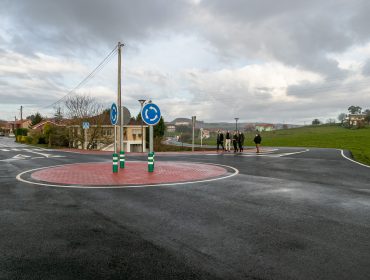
142 101
236 123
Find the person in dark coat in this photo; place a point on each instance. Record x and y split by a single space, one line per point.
257 140
235 141
220 140
241 141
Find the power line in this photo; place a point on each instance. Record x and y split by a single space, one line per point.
87 78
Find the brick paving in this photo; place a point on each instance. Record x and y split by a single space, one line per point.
134 173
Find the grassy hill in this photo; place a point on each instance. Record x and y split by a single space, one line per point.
322 136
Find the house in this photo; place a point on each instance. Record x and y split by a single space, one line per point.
171 128
264 127
10 127
355 119
100 134
41 125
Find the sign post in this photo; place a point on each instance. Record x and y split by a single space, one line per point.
151 115
113 119
193 118
201 137
85 126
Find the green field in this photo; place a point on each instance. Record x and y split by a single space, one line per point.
323 136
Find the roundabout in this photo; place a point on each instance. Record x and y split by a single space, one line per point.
135 174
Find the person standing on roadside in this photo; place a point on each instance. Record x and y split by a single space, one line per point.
228 141
235 141
257 140
220 140
241 141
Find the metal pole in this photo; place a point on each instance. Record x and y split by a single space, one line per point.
193 121
201 137
142 132
150 138
115 139
236 123
85 134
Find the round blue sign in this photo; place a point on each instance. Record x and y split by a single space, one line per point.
113 114
151 114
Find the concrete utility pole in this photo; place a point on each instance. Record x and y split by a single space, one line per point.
21 109
119 99
151 136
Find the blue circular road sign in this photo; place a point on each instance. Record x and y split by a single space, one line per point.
113 114
151 114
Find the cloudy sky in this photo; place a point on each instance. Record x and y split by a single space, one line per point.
260 60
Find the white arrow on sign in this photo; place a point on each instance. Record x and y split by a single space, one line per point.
155 110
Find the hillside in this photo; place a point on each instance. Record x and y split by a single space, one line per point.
325 136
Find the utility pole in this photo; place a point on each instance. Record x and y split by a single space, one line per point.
142 101
119 99
21 109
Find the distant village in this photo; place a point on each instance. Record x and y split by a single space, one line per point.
182 125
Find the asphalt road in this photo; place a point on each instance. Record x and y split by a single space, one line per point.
289 214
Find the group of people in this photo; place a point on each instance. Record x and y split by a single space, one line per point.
237 138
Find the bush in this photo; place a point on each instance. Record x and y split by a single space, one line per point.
21 131
29 139
360 124
41 140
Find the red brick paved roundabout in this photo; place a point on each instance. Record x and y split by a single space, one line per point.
135 174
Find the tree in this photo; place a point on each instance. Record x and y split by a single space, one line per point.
330 121
342 117
367 117
81 108
354 109
49 130
159 129
35 119
58 115
316 122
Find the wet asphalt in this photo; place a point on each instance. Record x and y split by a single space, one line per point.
286 215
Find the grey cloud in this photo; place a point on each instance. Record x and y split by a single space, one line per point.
366 68
297 33
88 24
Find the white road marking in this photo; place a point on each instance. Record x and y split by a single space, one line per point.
18 177
294 153
20 156
359 163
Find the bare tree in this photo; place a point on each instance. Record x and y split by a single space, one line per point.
84 108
